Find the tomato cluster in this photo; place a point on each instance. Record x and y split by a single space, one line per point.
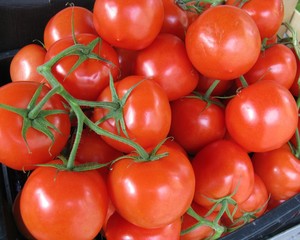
153 119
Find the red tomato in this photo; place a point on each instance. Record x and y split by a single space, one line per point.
119 229
127 60
262 116
90 77
277 63
61 24
204 83
23 66
223 42
268 15
64 204
280 171
132 24
147 113
196 122
295 86
222 168
152 194
166 61
15 153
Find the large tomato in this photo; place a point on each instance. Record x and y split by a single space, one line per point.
222 168
262 116
91 76
223 42
151 194
146 113
66 205
132 24
61 25
167 62
14 151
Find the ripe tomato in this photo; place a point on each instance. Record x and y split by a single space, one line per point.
196 122
223 42
166 61
127 60
221 89
222 168
146 112
280 171
262 116
14 152
295 86
277 63
119 229
268 15
90 77
66 205
152 194
61 24
133 24
24 64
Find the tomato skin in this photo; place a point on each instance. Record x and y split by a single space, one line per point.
222 168
295 86
18 94
268 15
260 121
60 25
133 24
119 229
223 42
195 123
24 64
136 191
90 77
147 113
277 63
67 204
166 61
280 171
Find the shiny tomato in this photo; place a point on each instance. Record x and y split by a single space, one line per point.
23 66
152 194
222 168
280 171
146 113
277 63
66 205
15 153
78 19
119 229
262 116
268 15
132 24
91 76
223 42
166 61
196 122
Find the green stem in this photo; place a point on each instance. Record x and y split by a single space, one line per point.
211 89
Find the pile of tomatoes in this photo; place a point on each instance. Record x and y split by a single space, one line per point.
153 119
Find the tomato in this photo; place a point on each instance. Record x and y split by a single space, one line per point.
295 86
201 232
146 113
91 76
133 24
15 153
277 63
23 66
152 194
223 42
280 171
126 61
268 15
175 19
196 122
222 168
262 116
64 204
76 18
166 61
119 229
